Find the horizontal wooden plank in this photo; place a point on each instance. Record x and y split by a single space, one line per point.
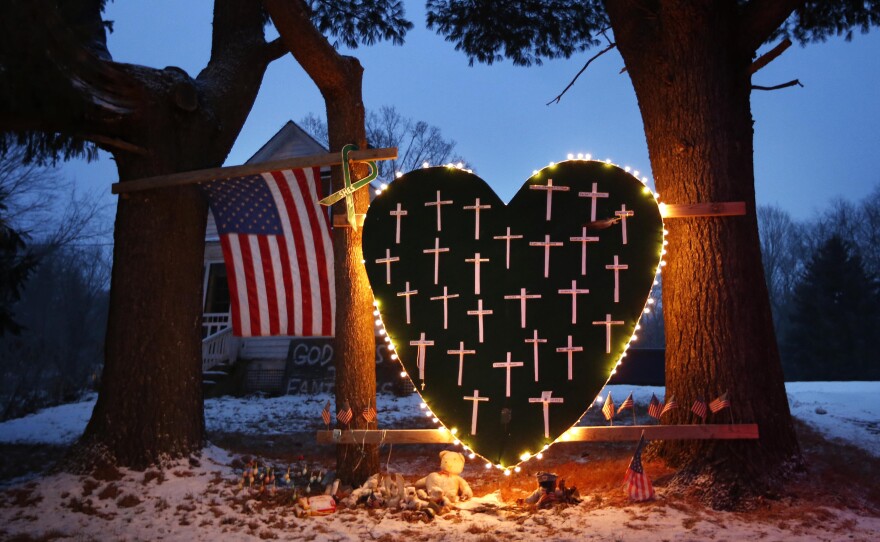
393 436
662 432
690 210
202 175
341 221
575 434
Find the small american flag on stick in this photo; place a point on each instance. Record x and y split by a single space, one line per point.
637 484
630 404
369 414
699 409
325 414
627 403
655 407
719 404
344 416
608 409
671 404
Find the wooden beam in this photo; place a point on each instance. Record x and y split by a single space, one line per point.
689 210
574 434
340 220
662 432
203 175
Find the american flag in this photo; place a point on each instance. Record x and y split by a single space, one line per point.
608 409
344 416
655 407
369 414
325 414
638 485
671 404
699 408
719 404
627 403
279 258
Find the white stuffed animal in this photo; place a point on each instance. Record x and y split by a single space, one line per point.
447 481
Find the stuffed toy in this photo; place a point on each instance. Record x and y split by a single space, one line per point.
378 491
447 484
412 500
549 493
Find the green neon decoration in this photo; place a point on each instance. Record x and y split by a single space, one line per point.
350 187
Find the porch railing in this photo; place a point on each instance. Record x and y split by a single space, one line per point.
219 348
212 322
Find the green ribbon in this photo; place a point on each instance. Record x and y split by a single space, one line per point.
350 187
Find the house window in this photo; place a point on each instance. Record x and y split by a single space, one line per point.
216 289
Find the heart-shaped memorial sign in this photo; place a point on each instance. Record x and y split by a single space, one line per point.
510 318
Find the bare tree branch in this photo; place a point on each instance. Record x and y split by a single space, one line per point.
571 84
770 55
791 83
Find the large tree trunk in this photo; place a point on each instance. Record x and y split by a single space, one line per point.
691 77
150 404
339 80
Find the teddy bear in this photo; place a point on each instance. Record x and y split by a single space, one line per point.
447 483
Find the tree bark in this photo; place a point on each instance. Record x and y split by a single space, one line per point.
150 405
339 79
691 75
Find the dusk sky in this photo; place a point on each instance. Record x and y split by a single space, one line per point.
812 144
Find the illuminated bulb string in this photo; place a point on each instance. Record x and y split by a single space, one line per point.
566 435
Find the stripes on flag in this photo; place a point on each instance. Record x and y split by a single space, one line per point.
369 414
655 407
344 416
637 484
699 409
719 404
608 408
671 404
325 414
627 403
278 253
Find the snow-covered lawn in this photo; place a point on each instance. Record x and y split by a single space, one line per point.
849 411
200 500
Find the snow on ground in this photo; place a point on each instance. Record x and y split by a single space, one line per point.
191 503
849 411
200 500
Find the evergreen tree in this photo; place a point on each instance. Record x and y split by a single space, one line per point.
835 318
16 264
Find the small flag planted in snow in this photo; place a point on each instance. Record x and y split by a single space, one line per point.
369 414
670 405
608 409
719 404
325 414
699 409
637 484
344 416
655 407
627 403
